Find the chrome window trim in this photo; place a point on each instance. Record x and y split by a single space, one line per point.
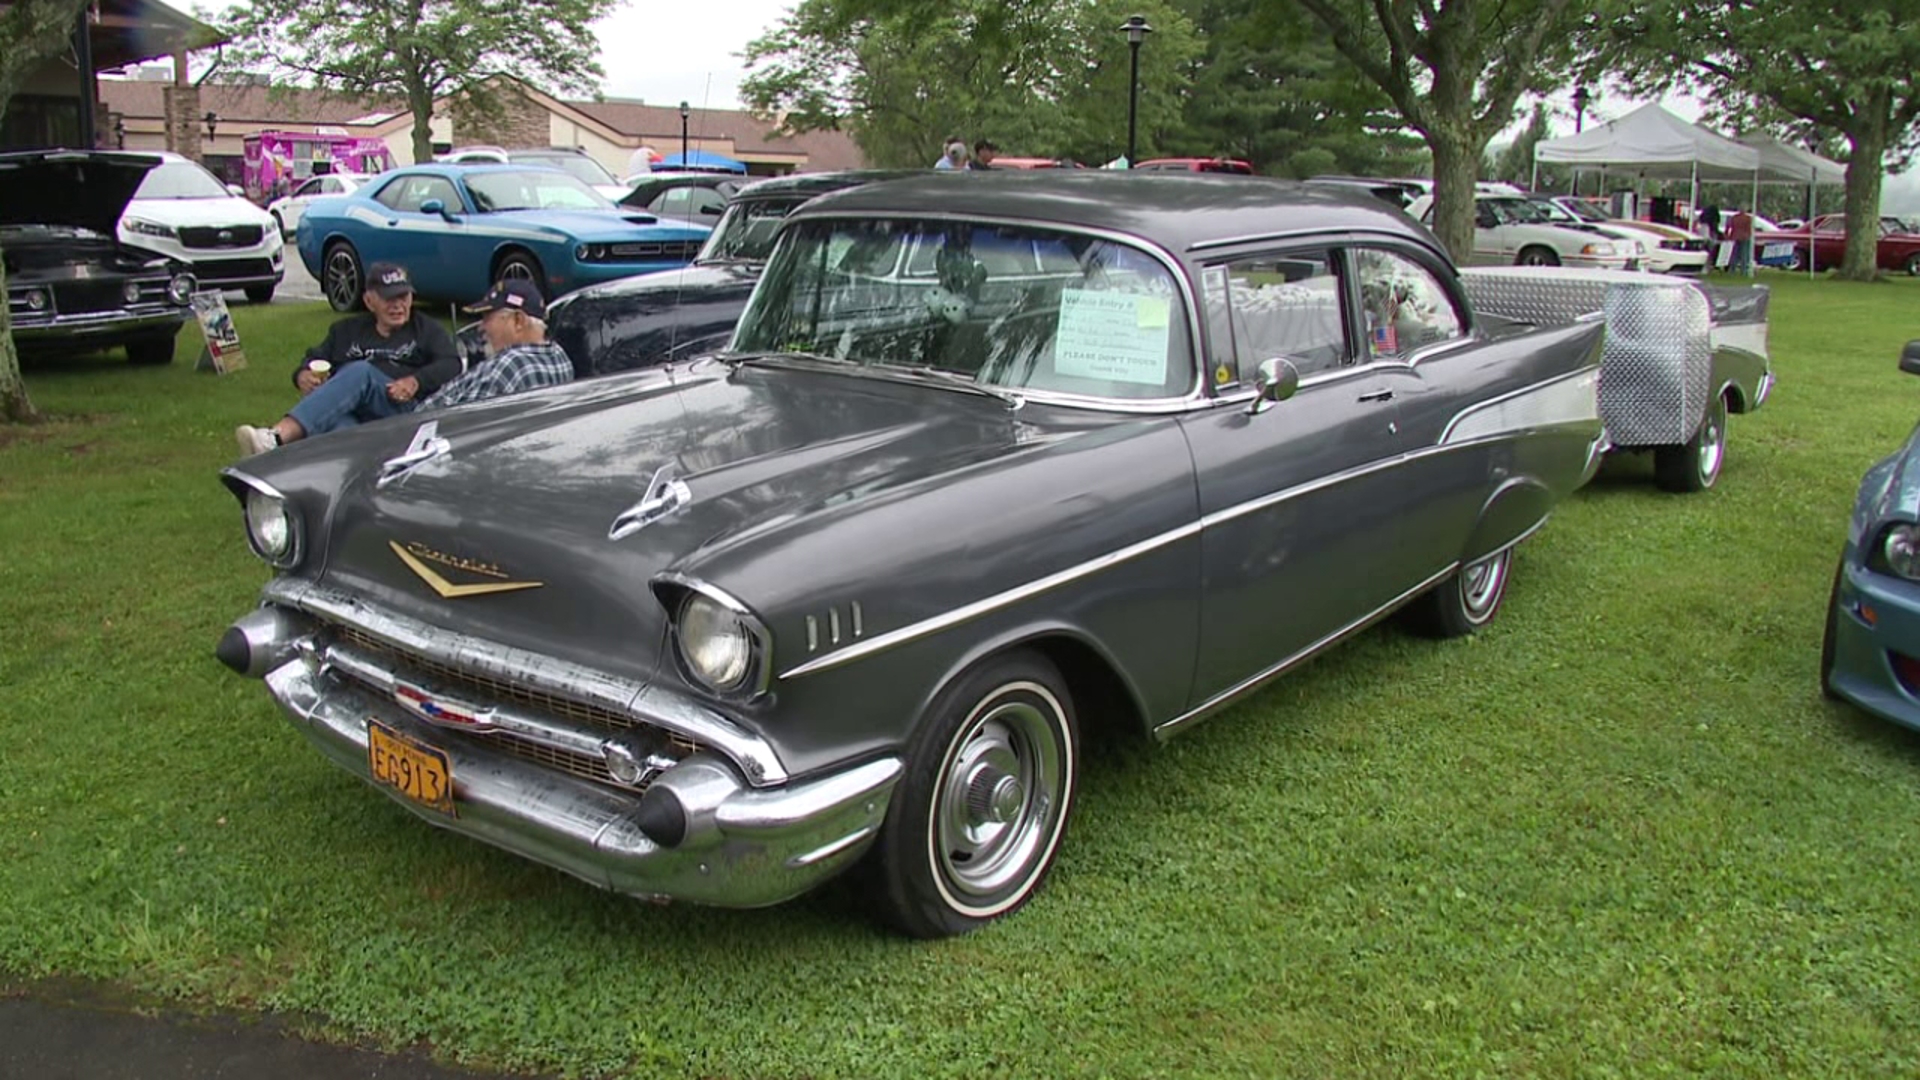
644 700
1168 729
760 675
1197 389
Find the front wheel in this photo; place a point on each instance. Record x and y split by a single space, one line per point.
1466 601
260 294
1826 640
1695 464
1913 265
1537 256
1799 260
340 277
978 816
520 266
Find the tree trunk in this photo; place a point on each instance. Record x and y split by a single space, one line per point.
1867 147
1455 167
421 104
15 406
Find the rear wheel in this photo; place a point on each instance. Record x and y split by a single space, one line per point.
1465 601
1913 265
1799 260
1537 256
341 277
1695 464
151 351
979 813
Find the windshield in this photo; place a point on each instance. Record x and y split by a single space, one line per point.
1585 211
1518 212
1017 308
532 189
581 168
748 230
181 180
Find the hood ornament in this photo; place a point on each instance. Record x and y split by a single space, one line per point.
426 445
665 494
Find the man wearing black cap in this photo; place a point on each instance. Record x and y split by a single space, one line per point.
370 365
519 358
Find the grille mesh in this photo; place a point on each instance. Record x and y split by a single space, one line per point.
485 690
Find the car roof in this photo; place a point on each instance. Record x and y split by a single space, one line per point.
821 182
1176 211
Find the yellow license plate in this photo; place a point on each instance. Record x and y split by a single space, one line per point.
414 769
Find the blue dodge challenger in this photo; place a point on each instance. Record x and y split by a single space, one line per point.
459 228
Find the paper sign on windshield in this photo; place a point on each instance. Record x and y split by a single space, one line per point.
1115 336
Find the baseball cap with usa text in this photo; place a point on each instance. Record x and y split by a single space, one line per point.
513 294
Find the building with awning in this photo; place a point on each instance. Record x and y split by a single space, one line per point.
59 103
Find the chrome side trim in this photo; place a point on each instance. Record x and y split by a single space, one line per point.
1589 394
998 600
646 702
1170 728
827 851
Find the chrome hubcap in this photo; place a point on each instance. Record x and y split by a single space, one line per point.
1482 583
999 798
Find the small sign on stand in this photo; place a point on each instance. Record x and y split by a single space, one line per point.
222 354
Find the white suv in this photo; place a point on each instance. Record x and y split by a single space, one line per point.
181 210
1510 229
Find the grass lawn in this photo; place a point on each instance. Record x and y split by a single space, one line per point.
1618 834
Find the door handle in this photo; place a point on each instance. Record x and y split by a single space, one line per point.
1377 395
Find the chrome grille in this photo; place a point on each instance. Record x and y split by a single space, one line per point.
485 690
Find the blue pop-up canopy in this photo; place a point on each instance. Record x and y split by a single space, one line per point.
700 161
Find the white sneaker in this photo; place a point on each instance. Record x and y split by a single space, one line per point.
255 440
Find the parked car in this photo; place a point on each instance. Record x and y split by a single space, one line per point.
1510 229
1663 249
459 228
72 284
287 209
1395 193
678 314
1826 244
1199 165
1681 355
989 470
184 212
689 196
579 164
1004 162
1870 655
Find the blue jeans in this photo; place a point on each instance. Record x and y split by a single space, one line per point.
1742 256
354 395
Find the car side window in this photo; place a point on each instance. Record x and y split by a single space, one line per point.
1404 306
406 193
311 187
1287 306
673 202
706 202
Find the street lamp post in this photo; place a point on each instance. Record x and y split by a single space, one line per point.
212 118
1136 29
120 132
684 113
1580 99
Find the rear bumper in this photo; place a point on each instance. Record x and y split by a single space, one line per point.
743 846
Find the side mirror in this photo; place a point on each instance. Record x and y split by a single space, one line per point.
1910 358
712 211
436 206
1276 381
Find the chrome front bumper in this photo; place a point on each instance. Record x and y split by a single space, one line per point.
743 847
92 325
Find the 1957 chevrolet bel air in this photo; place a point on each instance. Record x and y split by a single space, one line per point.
989 468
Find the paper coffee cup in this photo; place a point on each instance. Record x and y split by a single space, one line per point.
321 368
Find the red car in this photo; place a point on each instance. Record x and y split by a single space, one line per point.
1899 248
1196 164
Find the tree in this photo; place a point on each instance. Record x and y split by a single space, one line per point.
1515 163
33 30
420 50
1046 78
1455 69
1843 66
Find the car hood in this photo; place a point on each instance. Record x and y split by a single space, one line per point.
531 488
661 290
606 226
70 187
226 211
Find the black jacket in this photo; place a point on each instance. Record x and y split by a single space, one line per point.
423 349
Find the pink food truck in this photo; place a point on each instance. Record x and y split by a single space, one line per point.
278 160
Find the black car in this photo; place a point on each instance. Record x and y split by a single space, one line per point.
1391 192
72 286
687 196
657 318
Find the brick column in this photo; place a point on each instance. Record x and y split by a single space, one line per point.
183 119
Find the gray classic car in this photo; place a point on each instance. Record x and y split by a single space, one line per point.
990 467
72 286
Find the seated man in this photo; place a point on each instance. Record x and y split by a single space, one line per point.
401 353
521 358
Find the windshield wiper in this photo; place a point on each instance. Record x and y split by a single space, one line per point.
955 379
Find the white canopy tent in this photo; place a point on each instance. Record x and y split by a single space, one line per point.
1785 163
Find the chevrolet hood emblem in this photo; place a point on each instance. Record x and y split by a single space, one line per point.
447 589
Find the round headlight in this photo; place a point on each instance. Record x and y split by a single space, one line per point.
132 292
1902 549
37 300
715 642
269 526
180 289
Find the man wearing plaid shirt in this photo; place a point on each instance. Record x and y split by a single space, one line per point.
520 359
520 356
